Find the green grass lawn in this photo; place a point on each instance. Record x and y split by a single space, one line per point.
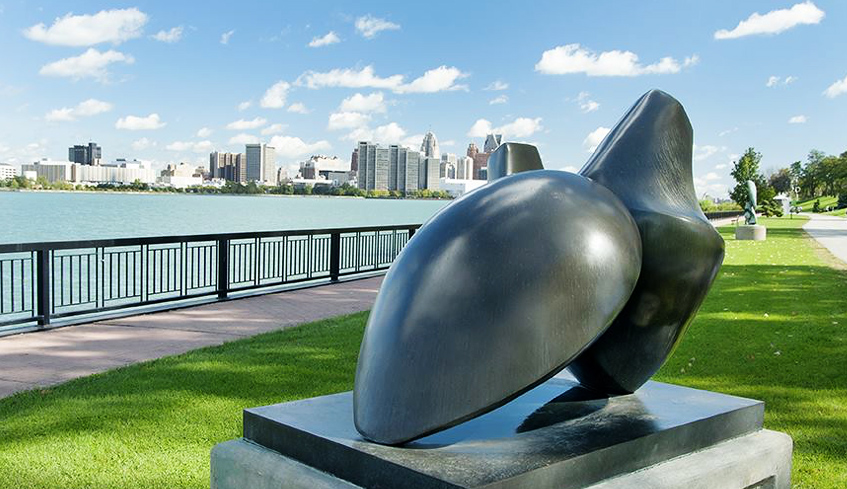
774 327
827 200
838 212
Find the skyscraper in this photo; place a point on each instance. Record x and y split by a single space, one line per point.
85 154
229 166
354 160
391 168
429 146
492 141
261 163
464 168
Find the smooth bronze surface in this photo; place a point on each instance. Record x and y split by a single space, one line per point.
646 161
510 158
495 294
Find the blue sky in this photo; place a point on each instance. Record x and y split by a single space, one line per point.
156 81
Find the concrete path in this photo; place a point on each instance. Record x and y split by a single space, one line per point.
45 358
829 231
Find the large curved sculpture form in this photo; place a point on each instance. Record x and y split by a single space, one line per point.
539 270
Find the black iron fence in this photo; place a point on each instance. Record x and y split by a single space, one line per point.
42 282
714 215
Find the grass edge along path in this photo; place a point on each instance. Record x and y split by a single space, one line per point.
772 328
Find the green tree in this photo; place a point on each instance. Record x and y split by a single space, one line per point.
781 181
746 168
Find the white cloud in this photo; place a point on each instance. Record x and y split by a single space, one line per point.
242 124
226 35
374 102
273 129
298 108
434 80
594 138
90 64
438 79
244 105
691 60
114 26
727 131
720 166
170 36
775 80
135 123
87 108
275 96
243 139
348 78
369 26
500 99
204 132
837 88
141 144
330 38
347 120
798 119
520 128
293 147
193 146
497 85
706 151
775 21
586 105
572 58
711 176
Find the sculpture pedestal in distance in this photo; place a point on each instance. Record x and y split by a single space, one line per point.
557 435
752 232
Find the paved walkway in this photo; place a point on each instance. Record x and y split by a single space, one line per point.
829 231
50 357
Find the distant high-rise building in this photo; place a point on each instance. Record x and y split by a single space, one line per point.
354 160
428 173
492 141
309 170
391 168
472 150
85 154
261 163
429 146
464 168
228 166
7 171
448 162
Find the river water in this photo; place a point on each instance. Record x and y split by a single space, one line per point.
60 216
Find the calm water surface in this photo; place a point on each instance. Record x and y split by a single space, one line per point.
60 216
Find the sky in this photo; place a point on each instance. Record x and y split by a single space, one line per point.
169 82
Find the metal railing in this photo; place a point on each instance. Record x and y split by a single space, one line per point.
714 215
42 282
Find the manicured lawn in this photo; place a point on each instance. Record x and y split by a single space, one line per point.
838 212
827 200
774 327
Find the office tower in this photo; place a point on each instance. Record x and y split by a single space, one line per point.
429 146
492 141
448 160
464 168
382 161
85 154
412 163
480 160
428 171
472 150
393 157
261 163
228 166
309 170
354 160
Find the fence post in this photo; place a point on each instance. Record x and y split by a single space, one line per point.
43 286
334 256
223 268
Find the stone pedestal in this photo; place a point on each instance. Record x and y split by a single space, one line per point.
752 232
556 436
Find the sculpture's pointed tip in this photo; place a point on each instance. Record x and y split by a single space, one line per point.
510 158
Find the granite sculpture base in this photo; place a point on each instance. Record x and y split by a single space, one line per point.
557 435
752 232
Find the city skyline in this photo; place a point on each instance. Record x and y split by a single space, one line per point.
168 84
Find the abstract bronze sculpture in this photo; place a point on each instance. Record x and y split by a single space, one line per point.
537 271
750 205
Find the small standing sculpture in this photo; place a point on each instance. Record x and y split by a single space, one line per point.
750 205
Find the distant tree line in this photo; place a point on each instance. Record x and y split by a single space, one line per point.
229 187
